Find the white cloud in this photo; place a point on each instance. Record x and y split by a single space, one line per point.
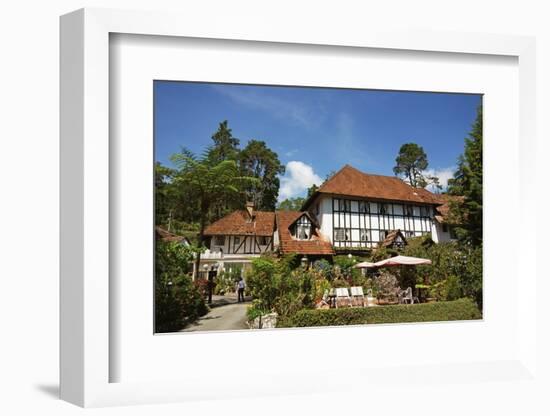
444 174
299 176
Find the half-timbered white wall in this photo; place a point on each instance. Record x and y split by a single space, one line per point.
241 244
412 220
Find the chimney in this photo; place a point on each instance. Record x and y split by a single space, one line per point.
250 209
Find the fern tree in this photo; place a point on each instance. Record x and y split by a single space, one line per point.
210 183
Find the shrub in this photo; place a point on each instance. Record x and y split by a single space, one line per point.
462 309
453 288
178 300
226 281
275 286
325 268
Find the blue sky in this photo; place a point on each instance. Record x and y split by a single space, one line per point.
316 130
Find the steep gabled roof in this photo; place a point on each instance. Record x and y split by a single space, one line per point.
351 182
389 241
165 235
240 223
287 244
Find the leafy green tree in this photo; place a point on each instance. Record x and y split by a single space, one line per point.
468 182
210 184
164 208
291 204
259 161
225 147
311 190
177 300
411 162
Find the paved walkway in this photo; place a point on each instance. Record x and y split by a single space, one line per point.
226 317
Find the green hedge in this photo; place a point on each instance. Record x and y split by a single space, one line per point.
462 309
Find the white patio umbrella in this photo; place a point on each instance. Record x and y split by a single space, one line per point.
364 265
402 261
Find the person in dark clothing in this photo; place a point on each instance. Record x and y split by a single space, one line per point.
240 290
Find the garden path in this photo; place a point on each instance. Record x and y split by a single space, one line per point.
227 317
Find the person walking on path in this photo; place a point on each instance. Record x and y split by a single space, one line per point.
240 290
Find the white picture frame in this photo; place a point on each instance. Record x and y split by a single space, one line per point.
86 355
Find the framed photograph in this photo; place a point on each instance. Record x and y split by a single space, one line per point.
273 202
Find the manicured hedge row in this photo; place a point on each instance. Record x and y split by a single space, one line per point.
462 309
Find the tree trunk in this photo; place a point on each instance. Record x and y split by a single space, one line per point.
201 240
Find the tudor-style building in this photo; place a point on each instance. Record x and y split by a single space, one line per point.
351 211
357 210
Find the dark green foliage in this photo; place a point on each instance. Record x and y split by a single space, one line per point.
177 299
259 161
468 182
459 267
311 190
226 147
280 286
462 309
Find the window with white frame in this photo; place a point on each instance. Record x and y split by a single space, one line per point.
236 240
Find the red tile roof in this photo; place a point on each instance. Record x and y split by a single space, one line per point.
349 181
287 244
165 235
240 223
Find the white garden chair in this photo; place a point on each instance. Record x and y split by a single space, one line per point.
357 294
406 296
343 294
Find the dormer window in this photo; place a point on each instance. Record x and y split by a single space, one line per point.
302 228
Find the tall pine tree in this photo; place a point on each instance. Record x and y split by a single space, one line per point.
468 182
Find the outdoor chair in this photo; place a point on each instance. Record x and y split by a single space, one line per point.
357 295
406 296
343 294
325 300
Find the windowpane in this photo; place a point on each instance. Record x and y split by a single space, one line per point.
364 207
341 234
365 235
